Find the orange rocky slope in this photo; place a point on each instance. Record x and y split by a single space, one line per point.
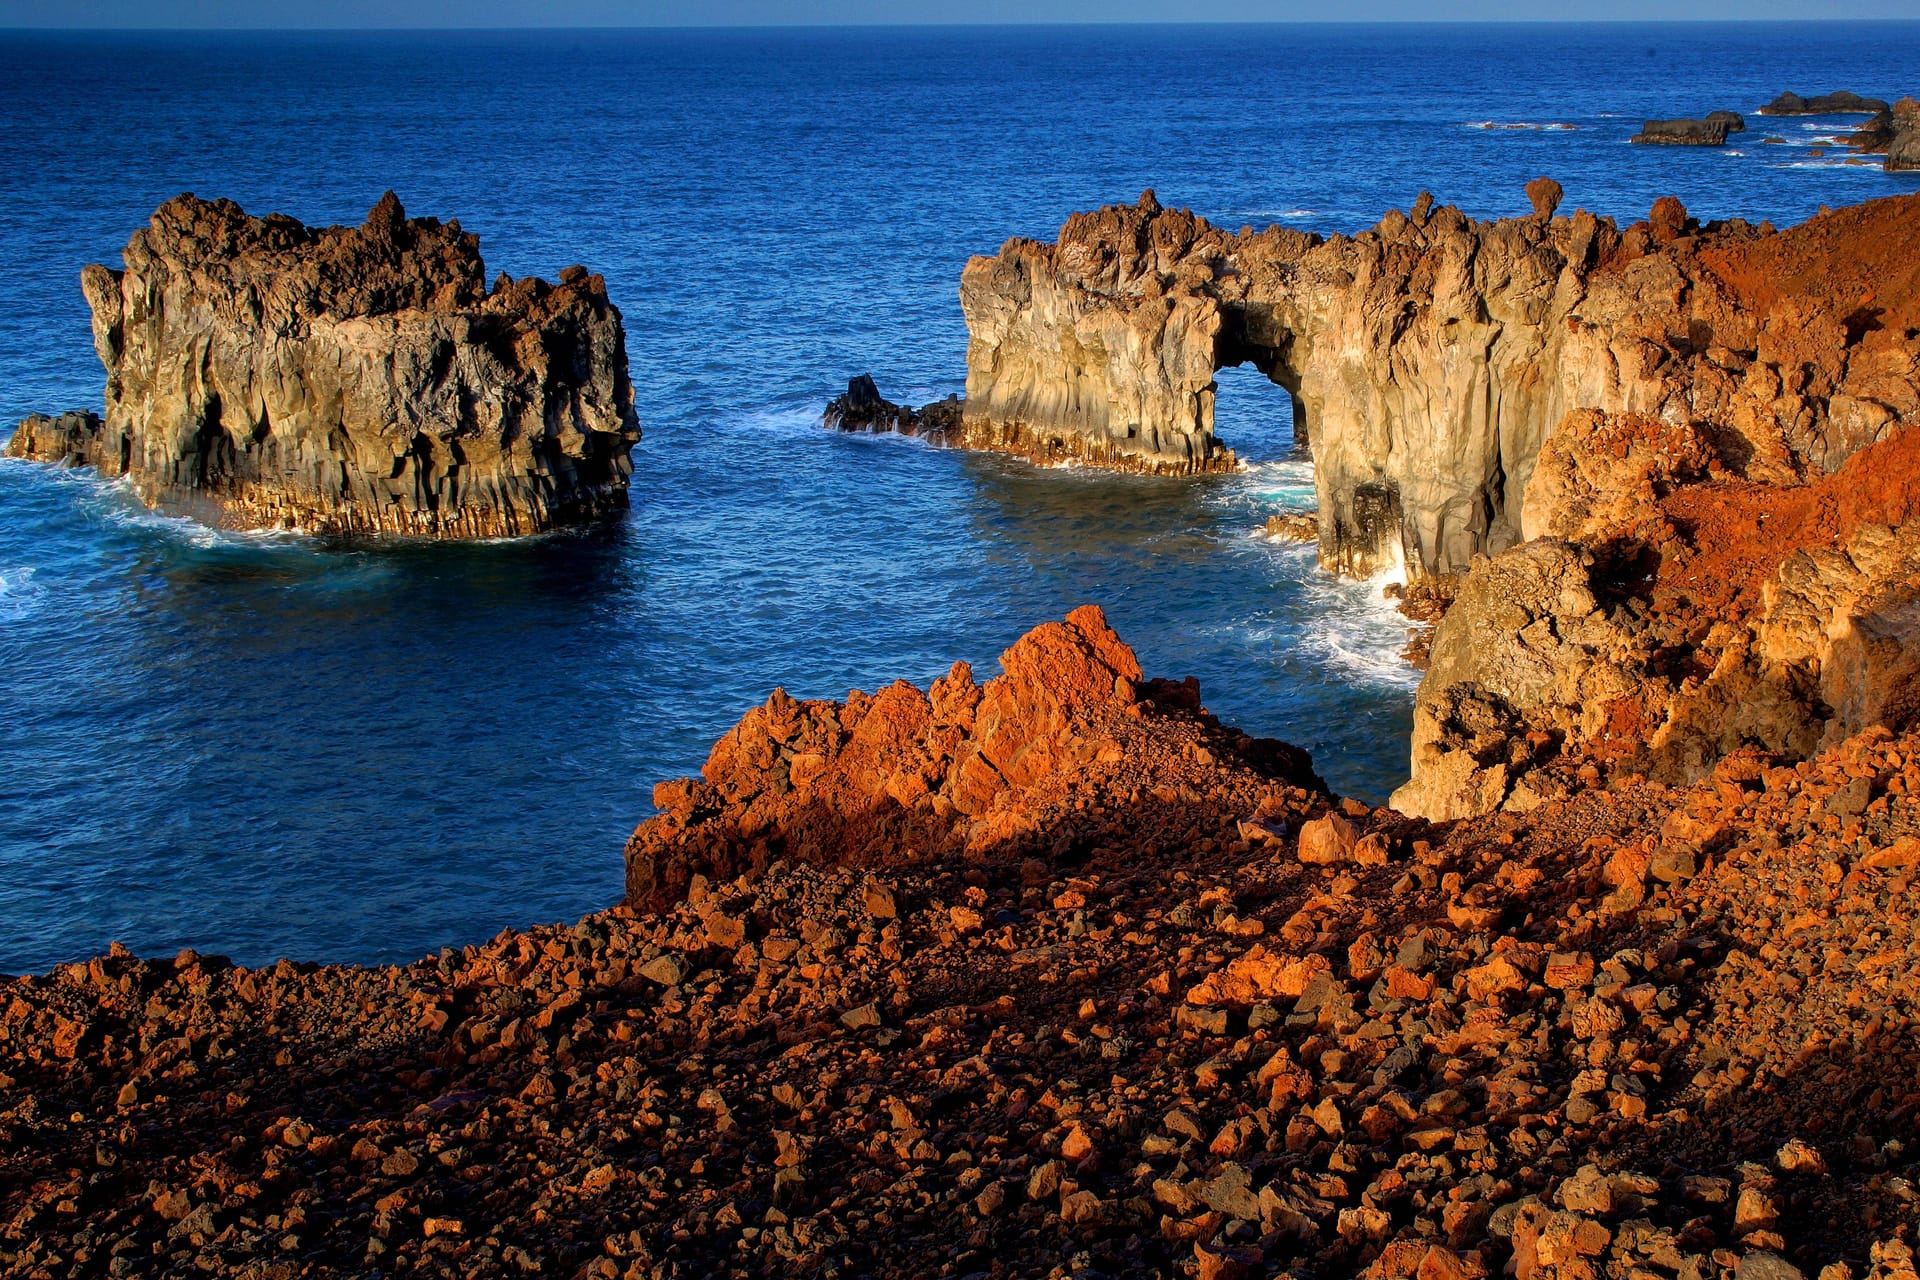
1179 1016
1744 573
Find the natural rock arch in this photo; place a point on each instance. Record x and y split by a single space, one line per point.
1429 357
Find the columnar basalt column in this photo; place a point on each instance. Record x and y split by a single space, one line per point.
349 380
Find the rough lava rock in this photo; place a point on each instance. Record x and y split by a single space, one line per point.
960 770
1432 357
863 408
349 380
1709 132
1894 133
1843 102
1695 584
1640 1032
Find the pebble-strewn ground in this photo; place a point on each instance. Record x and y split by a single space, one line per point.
1638 1032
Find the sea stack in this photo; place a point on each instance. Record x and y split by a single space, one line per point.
349 380
1429 358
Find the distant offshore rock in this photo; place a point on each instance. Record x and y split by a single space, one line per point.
349 380
1711 131
1843 103
1894 133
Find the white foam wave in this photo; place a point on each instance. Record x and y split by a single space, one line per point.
1287 483
1359 634
1547 126
1839 163
121 507
19 593
784 421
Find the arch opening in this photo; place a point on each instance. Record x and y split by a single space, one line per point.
1252 340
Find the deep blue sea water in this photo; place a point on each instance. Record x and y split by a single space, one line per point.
267 747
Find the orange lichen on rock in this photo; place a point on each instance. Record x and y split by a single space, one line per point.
1741 570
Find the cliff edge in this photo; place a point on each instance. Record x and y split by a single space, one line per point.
1686 595
1431 357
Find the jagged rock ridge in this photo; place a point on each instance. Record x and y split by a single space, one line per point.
363 380
957 771
1429 358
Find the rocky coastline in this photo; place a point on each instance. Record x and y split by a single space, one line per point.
349 381
1056 975
1051 976
1893 131
1429 359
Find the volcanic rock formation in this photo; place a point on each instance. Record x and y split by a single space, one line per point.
1679 601
262 374
1195 1021
1842 103
1429 358
1894 133
1684 133
957 771
862 408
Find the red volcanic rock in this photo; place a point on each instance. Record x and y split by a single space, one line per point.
1544 194
904 775
1728 576
1637 1033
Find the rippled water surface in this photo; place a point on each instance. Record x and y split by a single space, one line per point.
263 746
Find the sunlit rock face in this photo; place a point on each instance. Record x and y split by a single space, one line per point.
349 380
1429 358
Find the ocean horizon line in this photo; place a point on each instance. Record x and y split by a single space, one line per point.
993 25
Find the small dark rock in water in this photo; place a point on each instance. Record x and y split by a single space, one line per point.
1732 119
1683 133
863 408
1841 103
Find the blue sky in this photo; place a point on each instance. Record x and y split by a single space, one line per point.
546 13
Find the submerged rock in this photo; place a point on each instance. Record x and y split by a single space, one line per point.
349 380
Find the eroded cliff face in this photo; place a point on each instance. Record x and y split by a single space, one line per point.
263 374
1432 357
1668 618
